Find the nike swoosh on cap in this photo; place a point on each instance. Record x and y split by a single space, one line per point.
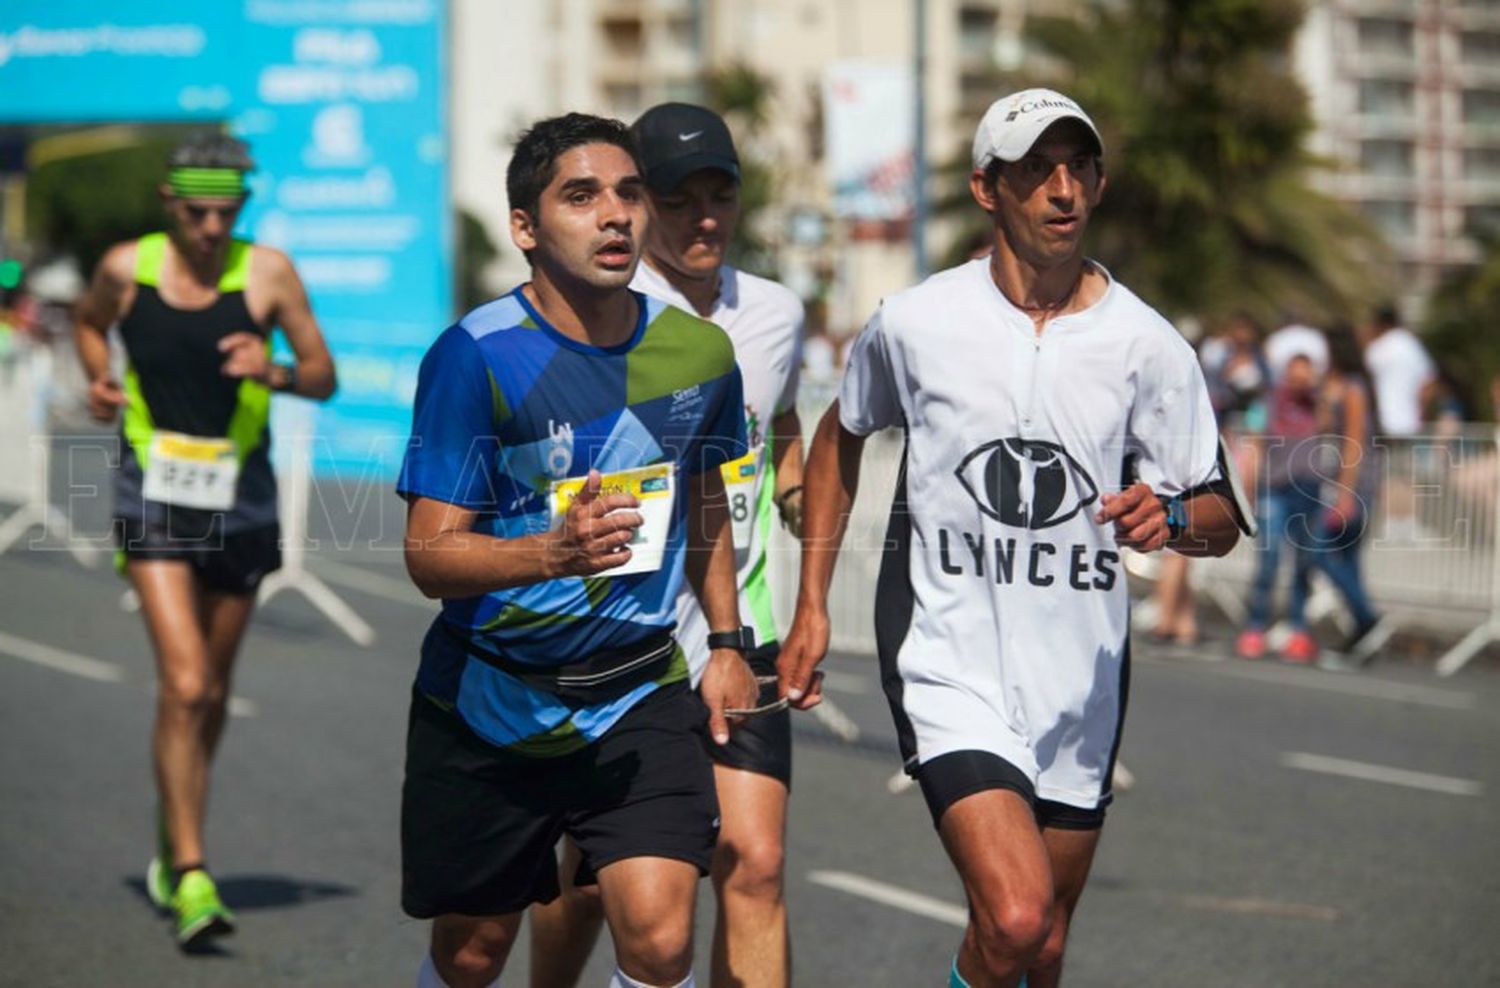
689 137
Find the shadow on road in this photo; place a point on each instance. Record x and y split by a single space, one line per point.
249 892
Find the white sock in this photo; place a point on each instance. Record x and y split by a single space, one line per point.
623 980
428 977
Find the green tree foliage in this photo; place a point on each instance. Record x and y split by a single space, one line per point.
1460 329
476 249
81 205
743 96
1208 208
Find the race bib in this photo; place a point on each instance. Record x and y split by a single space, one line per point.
192 472
742 485
654 487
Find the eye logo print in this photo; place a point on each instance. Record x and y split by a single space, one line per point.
1026 483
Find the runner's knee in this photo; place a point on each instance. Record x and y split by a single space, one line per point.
659 953
192 691
751 867
470 956
1051 955
1017 927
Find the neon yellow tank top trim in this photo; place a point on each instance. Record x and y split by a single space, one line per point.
252 412
151 252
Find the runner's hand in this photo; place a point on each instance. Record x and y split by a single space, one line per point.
728 684
805 646
1140 520
595 531
245 356
105 398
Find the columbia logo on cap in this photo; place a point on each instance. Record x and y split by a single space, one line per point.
1014 123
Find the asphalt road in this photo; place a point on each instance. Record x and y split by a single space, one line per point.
1288 826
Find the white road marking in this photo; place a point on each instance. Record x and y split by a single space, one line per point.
893 896
847 682
372 583
1347 684
1381 773
59 659
241 707
1260 907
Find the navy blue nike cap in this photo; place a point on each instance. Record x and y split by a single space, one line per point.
677 139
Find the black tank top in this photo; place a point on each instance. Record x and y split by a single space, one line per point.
173 383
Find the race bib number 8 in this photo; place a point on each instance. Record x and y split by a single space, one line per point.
742 486
654 487
192 472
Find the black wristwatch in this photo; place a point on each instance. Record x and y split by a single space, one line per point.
288 380
741 639
1176 516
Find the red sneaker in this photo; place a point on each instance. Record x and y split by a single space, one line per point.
1251 644
1301 648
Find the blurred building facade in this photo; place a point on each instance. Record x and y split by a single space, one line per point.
515 62
1406 96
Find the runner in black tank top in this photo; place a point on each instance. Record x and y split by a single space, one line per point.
195 498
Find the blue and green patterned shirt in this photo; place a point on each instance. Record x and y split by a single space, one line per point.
506 405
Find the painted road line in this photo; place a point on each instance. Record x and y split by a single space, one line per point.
241 707
1380 773
1347 684
59 659
848 682
893 896
1260 907
372 583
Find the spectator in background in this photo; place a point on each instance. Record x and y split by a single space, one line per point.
1346 416
1238 378
820 356
1292 340
1403 375
1404 380
1286 484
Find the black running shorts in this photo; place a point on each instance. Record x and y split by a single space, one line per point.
478 823
948 778
763 743
233 564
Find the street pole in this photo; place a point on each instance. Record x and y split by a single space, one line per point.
919 148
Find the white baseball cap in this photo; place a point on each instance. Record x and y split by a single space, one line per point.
1013 123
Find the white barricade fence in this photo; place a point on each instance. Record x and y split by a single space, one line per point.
26 455
292 457
1430 553
1431 558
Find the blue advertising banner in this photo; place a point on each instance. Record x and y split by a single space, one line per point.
344 105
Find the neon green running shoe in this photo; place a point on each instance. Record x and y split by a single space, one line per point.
159 871
199 911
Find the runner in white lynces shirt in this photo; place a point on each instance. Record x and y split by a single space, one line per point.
1051 418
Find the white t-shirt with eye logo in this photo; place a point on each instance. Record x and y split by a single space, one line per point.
1003 605
764 320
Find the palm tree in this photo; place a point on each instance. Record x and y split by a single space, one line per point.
1209 209
1460 328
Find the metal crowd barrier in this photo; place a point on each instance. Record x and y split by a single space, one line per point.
26 373
1430 557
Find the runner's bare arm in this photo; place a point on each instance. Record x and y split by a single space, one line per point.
727 682
101 306
446 558
1140 522
831 482
786 454
289 308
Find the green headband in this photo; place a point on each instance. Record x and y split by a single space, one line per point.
207 183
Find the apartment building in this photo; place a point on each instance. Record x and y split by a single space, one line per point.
1406 97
